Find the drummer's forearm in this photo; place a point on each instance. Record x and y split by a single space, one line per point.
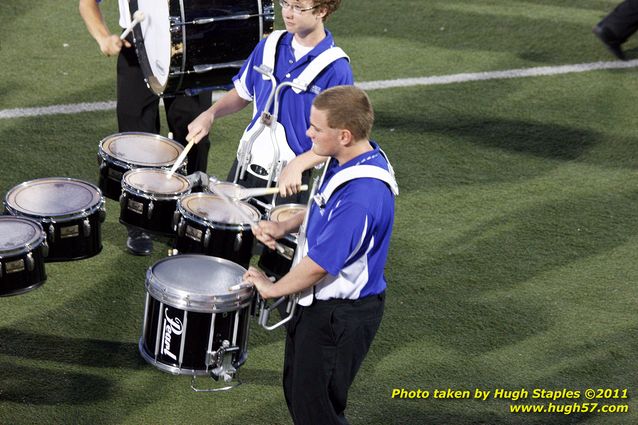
308 159
93 19
304 275
230 103
293 224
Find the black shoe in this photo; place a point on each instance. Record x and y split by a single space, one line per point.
609 40
139 243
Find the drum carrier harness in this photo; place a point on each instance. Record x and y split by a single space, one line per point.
265 155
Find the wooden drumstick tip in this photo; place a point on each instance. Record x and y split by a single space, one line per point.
138 16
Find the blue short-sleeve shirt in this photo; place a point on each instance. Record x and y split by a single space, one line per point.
294 108
350 236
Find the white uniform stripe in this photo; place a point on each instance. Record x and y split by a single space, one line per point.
367 85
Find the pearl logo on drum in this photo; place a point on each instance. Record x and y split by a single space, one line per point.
170 327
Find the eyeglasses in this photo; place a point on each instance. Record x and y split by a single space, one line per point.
297 10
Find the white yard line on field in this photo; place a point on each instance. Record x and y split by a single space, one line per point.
368 85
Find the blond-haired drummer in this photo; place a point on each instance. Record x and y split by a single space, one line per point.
341 276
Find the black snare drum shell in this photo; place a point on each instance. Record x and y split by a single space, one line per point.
231 244
154 216
194 333
15 276
74 239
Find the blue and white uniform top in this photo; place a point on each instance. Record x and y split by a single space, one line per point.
349 237
294 108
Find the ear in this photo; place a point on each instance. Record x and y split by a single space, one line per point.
321 13
345 137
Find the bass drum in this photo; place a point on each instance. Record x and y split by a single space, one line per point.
195 320
205 224
191 45
71 212
121 152
22 251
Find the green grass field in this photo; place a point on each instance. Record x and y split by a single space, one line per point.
513 263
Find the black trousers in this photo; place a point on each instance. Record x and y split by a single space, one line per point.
623 20
138 109
325 346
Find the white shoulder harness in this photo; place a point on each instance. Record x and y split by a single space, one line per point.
357 172
313 69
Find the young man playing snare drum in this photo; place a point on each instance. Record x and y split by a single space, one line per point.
287 54
341 279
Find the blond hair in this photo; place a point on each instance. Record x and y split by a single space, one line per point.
347 107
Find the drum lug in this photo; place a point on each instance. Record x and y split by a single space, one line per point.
149 212
30 262
180 227
176 216
45 248
86 226
123 200
51 233
238 240
102 213
207 238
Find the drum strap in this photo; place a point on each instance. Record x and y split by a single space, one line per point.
311 71
317 65
356 172
270 50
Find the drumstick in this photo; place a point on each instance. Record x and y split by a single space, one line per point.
138 17
244 285
261 191
180 158
244 215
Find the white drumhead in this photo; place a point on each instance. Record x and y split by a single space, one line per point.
53 197
157 37
18 232
142 149
197 282
212 208
232 190
152 180
286 211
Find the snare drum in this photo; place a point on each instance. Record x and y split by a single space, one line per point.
275 263
22 251
193 323
121 152
71 212
192 44
205 224
149 199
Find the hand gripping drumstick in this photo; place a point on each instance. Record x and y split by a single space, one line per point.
138 17
244 215
180 159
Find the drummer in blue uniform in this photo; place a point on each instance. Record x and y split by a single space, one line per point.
304 53
341 277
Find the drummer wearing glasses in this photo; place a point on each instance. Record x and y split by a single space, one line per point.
288 54
341 278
